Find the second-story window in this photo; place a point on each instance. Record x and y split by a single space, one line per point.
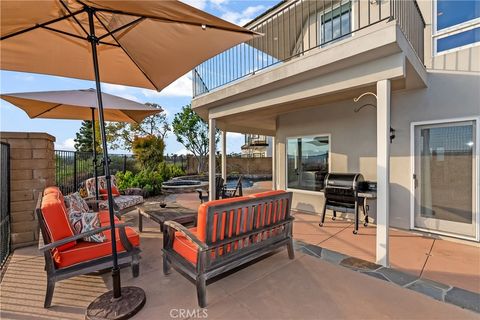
456 25
335 22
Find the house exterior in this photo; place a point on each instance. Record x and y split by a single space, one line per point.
257 146
415 67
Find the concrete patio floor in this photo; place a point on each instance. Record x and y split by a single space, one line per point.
273 288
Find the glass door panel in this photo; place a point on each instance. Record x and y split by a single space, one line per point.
445 178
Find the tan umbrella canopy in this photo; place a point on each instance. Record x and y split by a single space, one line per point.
77 105
80 105
145 44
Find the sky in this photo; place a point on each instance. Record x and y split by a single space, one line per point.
172 98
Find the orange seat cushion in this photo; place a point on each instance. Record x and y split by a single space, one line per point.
56 221
185 247
85 251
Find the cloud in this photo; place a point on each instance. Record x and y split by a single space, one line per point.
242 17
24 77
199 4
68 144
108 87
219 3
182 87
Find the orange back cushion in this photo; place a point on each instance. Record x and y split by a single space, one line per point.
104 193
270 217
203 212
55 215
53 190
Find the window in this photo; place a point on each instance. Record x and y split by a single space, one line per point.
307 162
335 23
457 24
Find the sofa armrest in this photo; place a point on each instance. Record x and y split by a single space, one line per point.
132 192
189 235
94 205
79 236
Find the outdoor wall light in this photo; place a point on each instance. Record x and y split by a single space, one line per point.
392 131
204 27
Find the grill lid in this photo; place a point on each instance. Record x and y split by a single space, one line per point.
343 180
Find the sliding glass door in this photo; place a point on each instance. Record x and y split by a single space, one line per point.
445 177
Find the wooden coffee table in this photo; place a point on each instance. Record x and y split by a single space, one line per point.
172 211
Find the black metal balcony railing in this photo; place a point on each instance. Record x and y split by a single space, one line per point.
301 26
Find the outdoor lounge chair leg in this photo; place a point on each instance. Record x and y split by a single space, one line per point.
291 252
166 265
323 215
202 291
140 221
135 266
49 293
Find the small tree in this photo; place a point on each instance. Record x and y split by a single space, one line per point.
192 132
148 150
84 138
121 135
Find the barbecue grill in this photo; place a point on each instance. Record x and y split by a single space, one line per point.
341 194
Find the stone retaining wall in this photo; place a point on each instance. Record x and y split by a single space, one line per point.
32 164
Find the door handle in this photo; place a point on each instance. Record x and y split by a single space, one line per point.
415 180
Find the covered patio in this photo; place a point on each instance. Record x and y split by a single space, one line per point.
272 288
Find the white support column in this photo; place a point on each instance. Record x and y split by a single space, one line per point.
274 165
211 159
224 155
383 170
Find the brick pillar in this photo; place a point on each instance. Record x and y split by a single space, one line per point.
32 163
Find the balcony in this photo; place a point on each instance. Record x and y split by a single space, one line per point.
252 140
296 28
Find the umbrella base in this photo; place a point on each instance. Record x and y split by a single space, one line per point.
125 307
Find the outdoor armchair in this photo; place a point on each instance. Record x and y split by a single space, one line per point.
219 191
68 255
234 192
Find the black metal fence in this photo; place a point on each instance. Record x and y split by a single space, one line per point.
300 26
179 160
72 168
4 202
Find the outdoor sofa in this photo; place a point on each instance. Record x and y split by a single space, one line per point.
67 255
124 202
229 233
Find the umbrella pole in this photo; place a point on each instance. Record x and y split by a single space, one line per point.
122 303
94 154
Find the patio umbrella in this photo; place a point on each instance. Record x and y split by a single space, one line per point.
147 44
80 105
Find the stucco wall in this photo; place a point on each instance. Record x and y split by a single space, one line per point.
353 135
32 165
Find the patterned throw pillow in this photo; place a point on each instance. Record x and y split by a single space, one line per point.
75 202
85 221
